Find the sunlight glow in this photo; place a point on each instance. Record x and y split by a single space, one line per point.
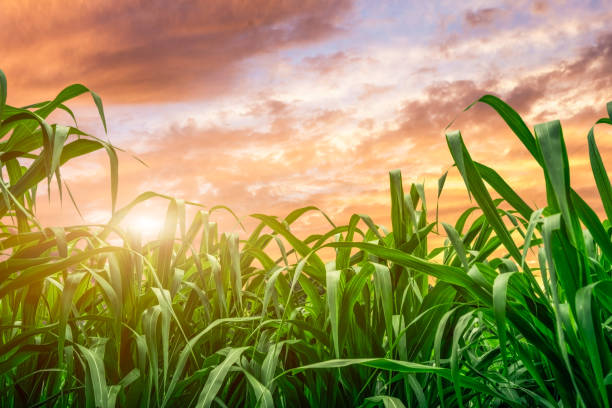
144 225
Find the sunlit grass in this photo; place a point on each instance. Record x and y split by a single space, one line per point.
512 310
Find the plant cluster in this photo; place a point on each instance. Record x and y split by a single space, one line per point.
198 317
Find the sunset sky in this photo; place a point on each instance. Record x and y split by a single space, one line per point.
267 106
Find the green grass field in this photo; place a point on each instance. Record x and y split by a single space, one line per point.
199 318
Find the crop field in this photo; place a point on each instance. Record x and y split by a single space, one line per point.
512 310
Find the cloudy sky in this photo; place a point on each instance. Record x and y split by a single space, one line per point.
270 105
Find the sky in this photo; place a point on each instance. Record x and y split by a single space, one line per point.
270 105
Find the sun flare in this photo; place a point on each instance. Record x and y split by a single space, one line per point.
147 226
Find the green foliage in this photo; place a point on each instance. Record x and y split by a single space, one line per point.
199 318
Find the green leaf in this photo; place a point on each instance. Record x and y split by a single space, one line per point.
332 283
514 121
556 167
398 218
96 372
384 295
217 377
262 394
600 174
590 326
455 239
388 402
475 185
500 290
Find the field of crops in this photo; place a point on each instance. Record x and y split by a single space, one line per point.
94 316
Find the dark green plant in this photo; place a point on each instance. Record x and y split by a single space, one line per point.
198 317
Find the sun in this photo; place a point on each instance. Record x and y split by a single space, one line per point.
146 226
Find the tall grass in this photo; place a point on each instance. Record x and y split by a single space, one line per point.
198 317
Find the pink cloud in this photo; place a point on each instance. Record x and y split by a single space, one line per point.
133 51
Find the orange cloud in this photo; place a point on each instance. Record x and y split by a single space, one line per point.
483 16
136 51
311 138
